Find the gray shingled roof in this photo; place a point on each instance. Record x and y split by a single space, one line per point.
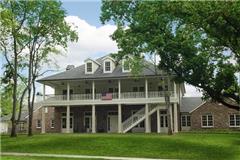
188 104
79 73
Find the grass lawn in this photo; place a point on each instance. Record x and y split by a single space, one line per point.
207 146
37 158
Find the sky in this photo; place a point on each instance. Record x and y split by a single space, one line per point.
94 38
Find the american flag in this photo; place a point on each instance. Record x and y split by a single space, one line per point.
107 96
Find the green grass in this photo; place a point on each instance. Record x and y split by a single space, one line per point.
37 158
207 146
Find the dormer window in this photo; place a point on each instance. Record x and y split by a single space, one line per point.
89 67
125 66
107 66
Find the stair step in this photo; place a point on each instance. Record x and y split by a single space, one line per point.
130 123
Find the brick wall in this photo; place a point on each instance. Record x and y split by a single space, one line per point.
220 116
37 115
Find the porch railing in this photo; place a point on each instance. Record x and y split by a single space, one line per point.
126 95
100 96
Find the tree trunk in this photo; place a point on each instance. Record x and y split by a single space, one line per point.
30 122
169 119
29 95
32 108
21 104
14 96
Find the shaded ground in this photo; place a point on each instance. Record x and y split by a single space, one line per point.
206 146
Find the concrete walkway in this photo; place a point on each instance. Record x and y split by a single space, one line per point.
75 156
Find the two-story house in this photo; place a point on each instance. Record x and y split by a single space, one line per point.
103 96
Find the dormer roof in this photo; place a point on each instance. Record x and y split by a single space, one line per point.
78 73
89 59
108 57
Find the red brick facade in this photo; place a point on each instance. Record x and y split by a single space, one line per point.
220 115
49 115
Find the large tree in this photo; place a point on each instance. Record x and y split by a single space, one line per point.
35 30
197 41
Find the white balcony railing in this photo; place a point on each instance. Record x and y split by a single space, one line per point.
109 96
127 95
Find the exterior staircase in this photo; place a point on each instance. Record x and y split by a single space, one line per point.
137 118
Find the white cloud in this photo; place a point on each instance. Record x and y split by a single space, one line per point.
192 91
92 42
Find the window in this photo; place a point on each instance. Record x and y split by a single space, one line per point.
89 67
110 90
21 126
160 88
163 121
234 120
46 110
107 66
38 125
64 120
135 89
126 66
138 89
88 121
52 123
88 91
185 120
207 120
141 89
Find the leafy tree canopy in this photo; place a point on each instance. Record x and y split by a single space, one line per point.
197 41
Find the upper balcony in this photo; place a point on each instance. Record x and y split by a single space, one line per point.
124 91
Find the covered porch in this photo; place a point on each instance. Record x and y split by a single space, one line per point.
118 118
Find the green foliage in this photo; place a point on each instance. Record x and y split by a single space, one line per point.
197 41
30 32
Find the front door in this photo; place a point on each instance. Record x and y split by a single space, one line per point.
112 122
88 121
64 122
163 122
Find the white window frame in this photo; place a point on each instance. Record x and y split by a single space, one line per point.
123 69
46 109
65 117
207 126
235 121
52 123
37 124
86 66
186 120
87 115
104 66
21 126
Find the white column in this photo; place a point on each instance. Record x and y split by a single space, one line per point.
171 116
119 89
119 118
68 119
147 128
175 89
175 118
158 121
146 88
93 119
43 121
93 90
68 91
44 92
